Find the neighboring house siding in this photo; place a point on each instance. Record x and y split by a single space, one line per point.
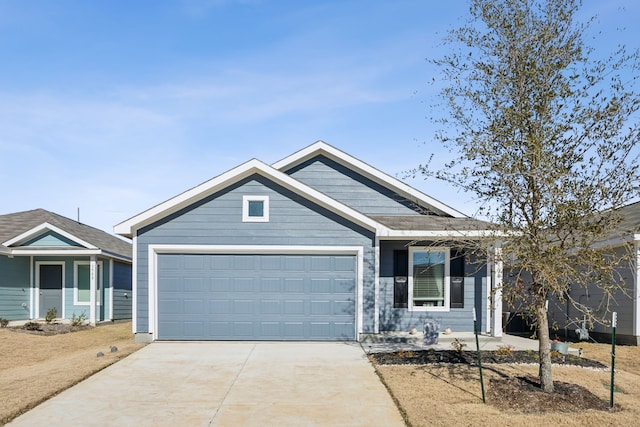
70 309
350 188
50 239
122 296
14 288
565 314
217 220
402 319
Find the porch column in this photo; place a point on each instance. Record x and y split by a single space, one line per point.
496 285
93 280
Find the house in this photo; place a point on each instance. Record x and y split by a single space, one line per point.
317 246
48 261
567 318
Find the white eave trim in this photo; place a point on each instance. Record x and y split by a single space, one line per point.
128 227
321 147
440 234
55 251
40 229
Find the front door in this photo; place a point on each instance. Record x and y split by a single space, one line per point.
50 282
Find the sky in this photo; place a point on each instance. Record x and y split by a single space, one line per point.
111 107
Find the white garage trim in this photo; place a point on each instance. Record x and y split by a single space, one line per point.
155 250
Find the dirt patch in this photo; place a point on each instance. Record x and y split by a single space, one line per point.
522 394
433 392
36 366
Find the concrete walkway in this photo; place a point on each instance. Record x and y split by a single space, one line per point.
227 384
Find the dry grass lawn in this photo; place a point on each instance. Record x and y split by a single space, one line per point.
432 395
34 368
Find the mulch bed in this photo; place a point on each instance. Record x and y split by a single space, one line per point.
426 357
49 329
517 394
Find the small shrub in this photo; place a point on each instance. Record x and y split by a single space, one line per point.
404 353
556 353
458 345
505 350
51 314
80 320
31 326
3 322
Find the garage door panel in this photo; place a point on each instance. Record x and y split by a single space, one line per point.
293 285
293 330
194 284
346 286
242 306
244 284
220 284
256 297
193 306
220 306
270 307
271 285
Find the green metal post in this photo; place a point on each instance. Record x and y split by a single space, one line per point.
614 321
475 330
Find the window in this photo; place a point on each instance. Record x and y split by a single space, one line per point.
255 209
82 283
429 279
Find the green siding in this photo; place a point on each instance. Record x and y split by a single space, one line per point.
14 288
50 240
122 296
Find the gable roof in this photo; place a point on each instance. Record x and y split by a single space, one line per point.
459 225
20 227
393 184
252 167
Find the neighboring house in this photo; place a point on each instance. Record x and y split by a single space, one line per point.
627 306
318 246
48 261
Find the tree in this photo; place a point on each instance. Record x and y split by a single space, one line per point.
546 134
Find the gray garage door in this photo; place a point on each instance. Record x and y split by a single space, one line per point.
256 297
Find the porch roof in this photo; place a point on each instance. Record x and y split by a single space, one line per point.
432 226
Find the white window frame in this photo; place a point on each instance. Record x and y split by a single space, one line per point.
447 277
98 283
245 208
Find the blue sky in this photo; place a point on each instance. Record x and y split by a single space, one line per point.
115 106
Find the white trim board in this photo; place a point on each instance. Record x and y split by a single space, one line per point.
40 229
155 250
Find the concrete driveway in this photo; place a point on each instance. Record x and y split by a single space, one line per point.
227 384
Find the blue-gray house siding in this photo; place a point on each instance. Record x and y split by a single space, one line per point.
458 319
217 220
351 188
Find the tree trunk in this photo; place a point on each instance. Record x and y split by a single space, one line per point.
546 379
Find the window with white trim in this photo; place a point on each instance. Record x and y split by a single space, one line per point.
255 209
429 279
82 282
